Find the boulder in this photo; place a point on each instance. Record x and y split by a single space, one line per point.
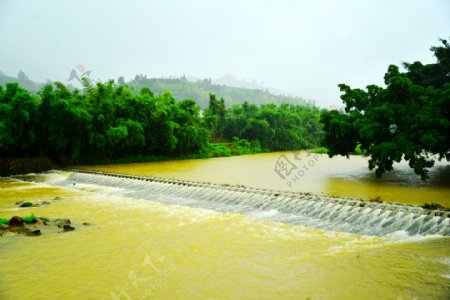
16 221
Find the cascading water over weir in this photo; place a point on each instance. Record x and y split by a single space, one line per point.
303 209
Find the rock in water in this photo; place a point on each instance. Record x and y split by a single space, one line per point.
16 221
62 222
68 228
33 232
40 221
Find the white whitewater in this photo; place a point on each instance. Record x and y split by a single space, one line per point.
339 214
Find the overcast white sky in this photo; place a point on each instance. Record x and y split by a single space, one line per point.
307 47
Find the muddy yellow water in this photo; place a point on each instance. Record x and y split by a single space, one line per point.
139 249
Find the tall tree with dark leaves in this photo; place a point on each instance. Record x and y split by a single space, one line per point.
408 119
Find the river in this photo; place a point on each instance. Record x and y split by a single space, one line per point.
314 173
136 248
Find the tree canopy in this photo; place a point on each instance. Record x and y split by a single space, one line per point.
282 127
101 121
407 119
108 121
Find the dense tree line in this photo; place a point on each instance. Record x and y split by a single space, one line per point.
101 121
110 121
283 127
408 119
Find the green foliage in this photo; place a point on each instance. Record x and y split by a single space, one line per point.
108 122
284 127
103 121
321 150
215 116
29 219
216 150
358 150
409 119
236 147
26 204
17 120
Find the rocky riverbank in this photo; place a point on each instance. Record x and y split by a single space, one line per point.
33 226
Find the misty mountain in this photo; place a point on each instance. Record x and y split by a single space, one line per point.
231 81
23 81
182 88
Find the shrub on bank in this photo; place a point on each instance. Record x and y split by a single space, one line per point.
321 150
235 147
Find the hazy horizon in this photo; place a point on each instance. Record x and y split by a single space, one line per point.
304 48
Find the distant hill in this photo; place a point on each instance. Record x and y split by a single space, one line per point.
183 88
229 80
23 81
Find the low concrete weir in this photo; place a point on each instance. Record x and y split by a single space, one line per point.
303 209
